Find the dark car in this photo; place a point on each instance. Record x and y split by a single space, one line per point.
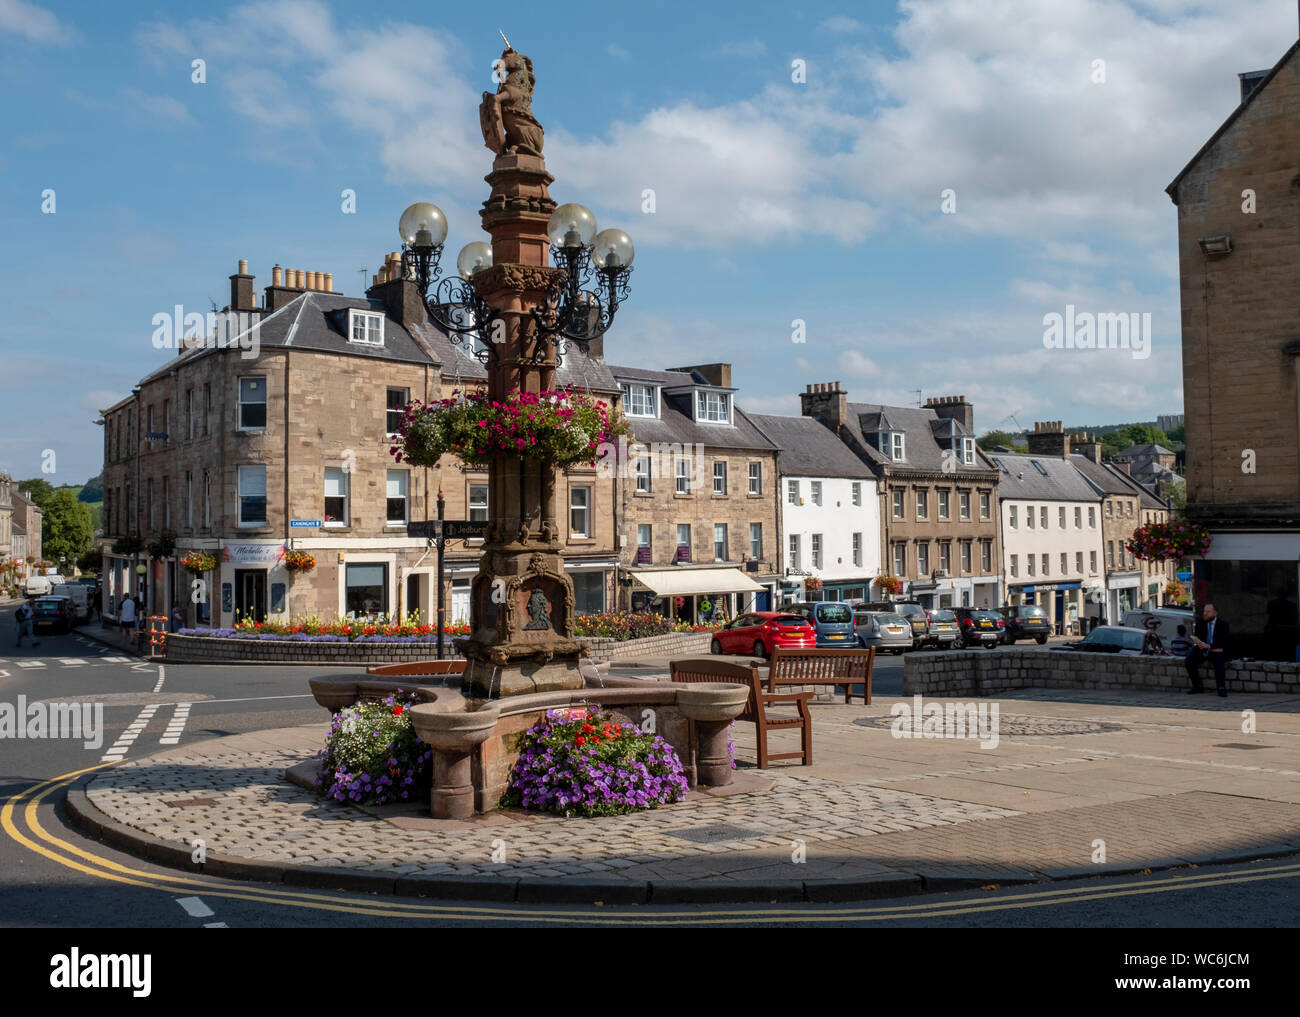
832 620
53 613
1118 639
1027 621
909 609
978 627
758 632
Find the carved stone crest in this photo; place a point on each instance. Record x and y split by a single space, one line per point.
506 117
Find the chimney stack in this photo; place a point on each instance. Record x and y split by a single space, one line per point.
953 408
1087 445
1049 439
827 402
241 289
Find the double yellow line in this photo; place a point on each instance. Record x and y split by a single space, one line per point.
20 821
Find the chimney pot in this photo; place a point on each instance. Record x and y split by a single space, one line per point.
329 282
807 388
277 275
243 266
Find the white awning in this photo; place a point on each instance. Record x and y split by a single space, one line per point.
685 582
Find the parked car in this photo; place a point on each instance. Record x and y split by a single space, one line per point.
53 613
979 627
943 628
1028 621
1163 621
80 597
912 611
832 620
886 631
1129 642
759 632
36 586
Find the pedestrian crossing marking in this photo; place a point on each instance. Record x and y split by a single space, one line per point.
30 663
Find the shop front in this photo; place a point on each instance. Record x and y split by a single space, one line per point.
696 595
1063 603
1123 591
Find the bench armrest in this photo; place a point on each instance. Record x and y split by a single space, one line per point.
784 697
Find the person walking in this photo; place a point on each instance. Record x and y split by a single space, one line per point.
23 616
126 616
1211 641
98 602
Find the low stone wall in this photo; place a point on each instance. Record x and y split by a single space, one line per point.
988 673
215 649
673 644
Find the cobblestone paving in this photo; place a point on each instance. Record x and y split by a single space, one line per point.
257 815
1016 725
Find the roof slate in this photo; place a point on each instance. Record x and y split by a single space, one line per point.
676 423
1062 481
810 449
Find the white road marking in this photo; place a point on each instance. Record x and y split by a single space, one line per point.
194 907
128 737
180 716
258 699
162 677
116 660
215 925
30 663
71 661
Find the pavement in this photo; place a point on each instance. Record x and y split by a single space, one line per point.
1080 784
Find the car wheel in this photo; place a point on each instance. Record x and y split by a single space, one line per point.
1040 640
759 649
715 647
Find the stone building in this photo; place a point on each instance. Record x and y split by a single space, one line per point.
1051 531
1125 505
6 518
1239 265
697 505
280 437
28 518
939 523
829 510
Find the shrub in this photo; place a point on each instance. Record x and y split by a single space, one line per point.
585 763
372 755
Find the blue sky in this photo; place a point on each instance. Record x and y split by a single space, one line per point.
775 200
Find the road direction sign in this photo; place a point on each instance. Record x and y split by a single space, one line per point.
458 529
295 523
427 528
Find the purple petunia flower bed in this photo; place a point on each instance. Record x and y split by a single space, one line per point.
589 764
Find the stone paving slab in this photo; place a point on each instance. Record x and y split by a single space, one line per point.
1159 783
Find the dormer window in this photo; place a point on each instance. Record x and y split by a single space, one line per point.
968 451
891 444
365 327
640 400
712 408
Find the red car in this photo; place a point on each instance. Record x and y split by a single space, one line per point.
758 632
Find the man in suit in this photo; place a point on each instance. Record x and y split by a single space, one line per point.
1212 640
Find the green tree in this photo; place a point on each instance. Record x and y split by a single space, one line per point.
993 439
67 528
92 490
1179 434
38 490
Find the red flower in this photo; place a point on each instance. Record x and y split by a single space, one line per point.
397 711
579 740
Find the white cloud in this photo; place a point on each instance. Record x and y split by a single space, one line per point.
855 365
34 23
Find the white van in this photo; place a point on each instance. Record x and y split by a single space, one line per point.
1164 621
80 597
37 586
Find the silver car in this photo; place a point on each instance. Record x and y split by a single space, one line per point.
885 631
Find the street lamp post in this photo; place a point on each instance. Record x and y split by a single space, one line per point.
547 280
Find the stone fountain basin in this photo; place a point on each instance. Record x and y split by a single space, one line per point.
490 732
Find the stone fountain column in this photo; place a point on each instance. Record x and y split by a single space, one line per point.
521 601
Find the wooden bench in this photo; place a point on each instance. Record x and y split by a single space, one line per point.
756 708
823 667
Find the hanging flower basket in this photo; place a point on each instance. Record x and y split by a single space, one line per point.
298 561
1170 541
890 584
199 562
128 545
812 584
564 427
163 547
